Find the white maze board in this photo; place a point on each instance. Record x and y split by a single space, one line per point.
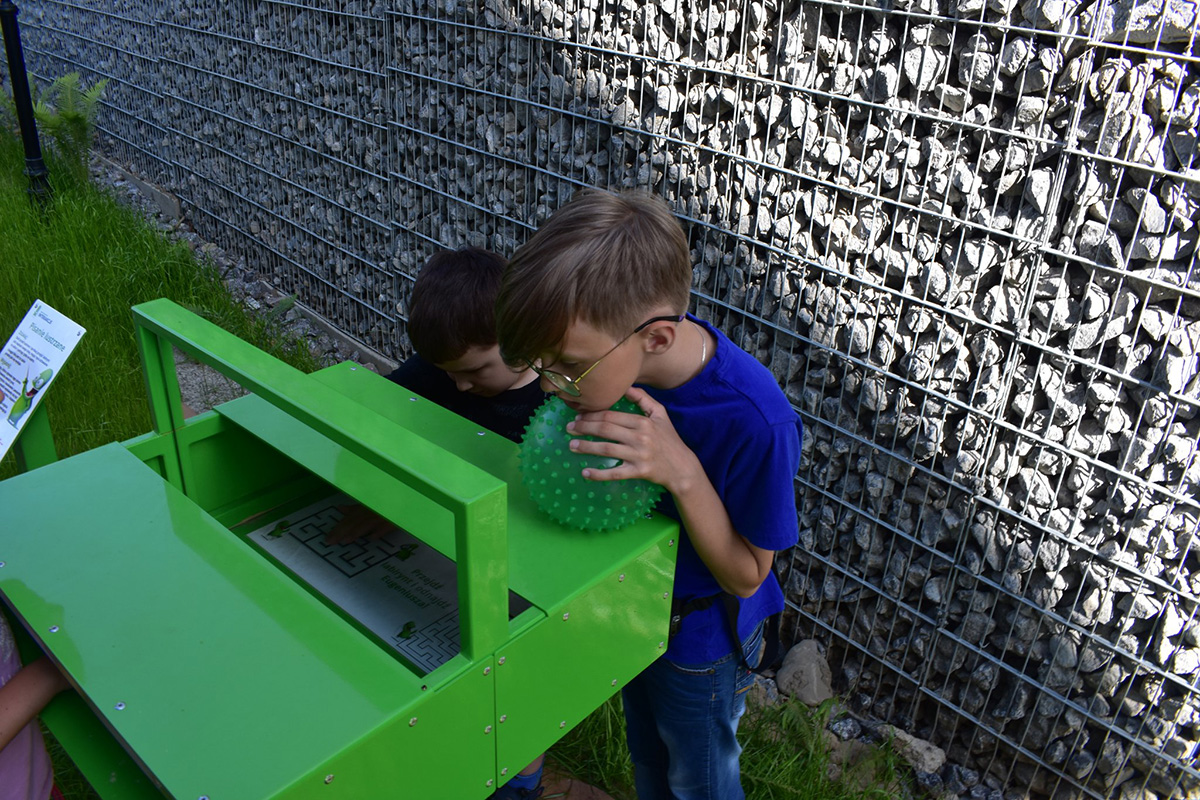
398 587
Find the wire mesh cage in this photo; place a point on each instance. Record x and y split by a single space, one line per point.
960 233
116 43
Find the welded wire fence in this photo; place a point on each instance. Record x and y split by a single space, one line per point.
961 234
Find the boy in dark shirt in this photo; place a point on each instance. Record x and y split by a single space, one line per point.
457 362
457 365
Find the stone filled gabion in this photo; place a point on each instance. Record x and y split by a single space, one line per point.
289 140
961 233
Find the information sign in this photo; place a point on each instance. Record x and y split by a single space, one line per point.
29 363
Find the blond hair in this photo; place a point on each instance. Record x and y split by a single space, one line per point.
604 259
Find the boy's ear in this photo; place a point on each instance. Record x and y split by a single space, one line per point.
659 337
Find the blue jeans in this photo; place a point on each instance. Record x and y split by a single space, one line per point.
681 724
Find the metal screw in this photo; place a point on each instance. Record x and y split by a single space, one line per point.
487 670
660 645
352 370
666 595
1 565
119 706
503 771
503 717
621 577
412 722
329 778
412 399
562 724
481 433
614 683
566 616
54 629
490 782
203 797
487 730
501 660
671 543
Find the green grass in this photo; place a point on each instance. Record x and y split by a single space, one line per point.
786 756
595 751
92 259
67 778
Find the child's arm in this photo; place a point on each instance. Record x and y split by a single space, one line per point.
25 695
651 449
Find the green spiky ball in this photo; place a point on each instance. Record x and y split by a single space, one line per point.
553 475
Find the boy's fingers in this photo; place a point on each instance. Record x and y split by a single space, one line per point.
604 449
603 429
644 401
613 474
621 418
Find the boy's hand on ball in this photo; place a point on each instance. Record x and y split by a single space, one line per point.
648 446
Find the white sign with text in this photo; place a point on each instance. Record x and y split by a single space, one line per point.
29 363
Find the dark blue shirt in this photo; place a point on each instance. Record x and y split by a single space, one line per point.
738 422
506 413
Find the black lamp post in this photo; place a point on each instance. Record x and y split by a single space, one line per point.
35 168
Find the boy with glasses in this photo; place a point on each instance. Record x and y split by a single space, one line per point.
595 304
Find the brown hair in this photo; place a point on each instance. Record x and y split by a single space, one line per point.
453 303
602 258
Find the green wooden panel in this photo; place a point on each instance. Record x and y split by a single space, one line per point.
547 562
603 636
114 772
225 678
195 652
225 467
445 748
425 466
409 508
34 446
82 734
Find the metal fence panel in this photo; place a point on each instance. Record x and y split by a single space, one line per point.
961 233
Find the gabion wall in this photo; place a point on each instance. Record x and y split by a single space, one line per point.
961 233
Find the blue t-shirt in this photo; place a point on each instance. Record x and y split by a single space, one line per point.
738 422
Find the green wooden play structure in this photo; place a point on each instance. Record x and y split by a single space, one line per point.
206 667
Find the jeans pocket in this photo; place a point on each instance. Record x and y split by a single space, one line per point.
752 649
696 669
744 680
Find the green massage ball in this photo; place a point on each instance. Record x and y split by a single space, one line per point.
553 474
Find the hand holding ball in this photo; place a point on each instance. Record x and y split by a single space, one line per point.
553 474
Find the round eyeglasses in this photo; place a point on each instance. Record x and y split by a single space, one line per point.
570 385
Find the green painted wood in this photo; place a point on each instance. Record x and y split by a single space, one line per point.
34 446
223 677
547 562
195 651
